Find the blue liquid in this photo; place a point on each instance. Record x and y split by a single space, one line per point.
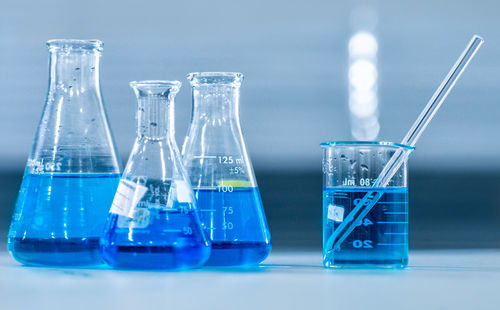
59 217
236 225
382 238
169 240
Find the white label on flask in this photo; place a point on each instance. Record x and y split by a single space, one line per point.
127 197
184 193
140 219
336 213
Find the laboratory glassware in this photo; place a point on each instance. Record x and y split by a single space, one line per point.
411 138
349 171
216 158
73 169
153 222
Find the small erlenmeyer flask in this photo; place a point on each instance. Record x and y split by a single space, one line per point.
153 222
217 162
73 169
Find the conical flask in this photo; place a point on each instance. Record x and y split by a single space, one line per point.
217 162
73 169
153 222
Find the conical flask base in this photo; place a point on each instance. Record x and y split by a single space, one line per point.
56 252
171 240
227 253
59 218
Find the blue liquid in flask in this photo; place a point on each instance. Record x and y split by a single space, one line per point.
161 239
382 237
235 223
59 218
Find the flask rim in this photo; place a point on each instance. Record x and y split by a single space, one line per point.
215 78
158 85
75 44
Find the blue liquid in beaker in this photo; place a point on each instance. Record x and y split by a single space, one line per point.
167 239
59 218
235 224
381 239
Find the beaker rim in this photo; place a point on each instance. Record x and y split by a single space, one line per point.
75 44
207 78
366 143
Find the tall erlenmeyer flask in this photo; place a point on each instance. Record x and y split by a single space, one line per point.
73 169
217 162
153 222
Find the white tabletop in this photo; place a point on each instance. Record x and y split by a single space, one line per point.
287 280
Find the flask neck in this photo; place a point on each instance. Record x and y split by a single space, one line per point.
155 116
74 71
216 103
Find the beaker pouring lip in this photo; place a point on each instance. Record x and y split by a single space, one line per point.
154 86
74 44
366 143
212 78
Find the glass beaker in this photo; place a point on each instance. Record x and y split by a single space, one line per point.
153 222
381 237
222 176
73 169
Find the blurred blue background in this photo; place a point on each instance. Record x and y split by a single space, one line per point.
298 92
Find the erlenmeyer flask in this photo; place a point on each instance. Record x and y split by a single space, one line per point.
153 222
73 169
217 162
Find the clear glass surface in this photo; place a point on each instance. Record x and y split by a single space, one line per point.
73 169
153 222
216 158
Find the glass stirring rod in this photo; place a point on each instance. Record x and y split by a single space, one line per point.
411 138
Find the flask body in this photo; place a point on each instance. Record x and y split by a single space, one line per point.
217 161
153 222
73 169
